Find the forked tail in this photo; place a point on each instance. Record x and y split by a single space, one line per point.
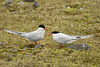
14 32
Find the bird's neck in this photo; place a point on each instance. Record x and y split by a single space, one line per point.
40 29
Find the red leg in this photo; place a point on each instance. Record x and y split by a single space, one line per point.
61 46
36 43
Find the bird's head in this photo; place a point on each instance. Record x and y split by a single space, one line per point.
42 26
54 32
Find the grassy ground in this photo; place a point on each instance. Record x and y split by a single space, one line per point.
54 16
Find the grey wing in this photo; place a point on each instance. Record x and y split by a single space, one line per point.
64 39
80 37
33 36
74 38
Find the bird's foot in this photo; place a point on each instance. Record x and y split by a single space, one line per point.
61 46
36 43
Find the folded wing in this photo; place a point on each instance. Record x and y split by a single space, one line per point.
68 39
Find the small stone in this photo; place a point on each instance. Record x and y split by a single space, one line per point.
38 46
28 0
79 46
27 55
76 5
36 4
30 53
25 48
8 2
68 7
1 43
12 55
15 45
15 50
81 8
20 2
5 6
13 12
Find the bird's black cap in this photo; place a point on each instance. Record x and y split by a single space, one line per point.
42 26
55 32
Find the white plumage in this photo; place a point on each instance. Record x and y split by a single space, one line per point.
31 36
65 39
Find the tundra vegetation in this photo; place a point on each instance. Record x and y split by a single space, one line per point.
72 17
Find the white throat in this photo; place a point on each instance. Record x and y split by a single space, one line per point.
41 32
41 29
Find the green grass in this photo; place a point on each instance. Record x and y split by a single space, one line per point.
54 16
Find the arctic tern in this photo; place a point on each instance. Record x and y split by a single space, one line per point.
33 36
65 39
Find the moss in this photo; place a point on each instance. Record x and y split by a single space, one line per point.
71 21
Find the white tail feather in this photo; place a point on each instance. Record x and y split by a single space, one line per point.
85 36
14 32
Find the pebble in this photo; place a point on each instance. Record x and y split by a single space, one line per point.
20 2
1 43
81 8
8 2
15 45
15 50
38 46
28 0
36 4
12 55
68 7
25 48
27 55
79 46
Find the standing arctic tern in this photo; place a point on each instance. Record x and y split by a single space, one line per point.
65 39
33 36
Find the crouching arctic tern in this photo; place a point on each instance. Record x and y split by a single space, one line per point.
33 36
65 39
